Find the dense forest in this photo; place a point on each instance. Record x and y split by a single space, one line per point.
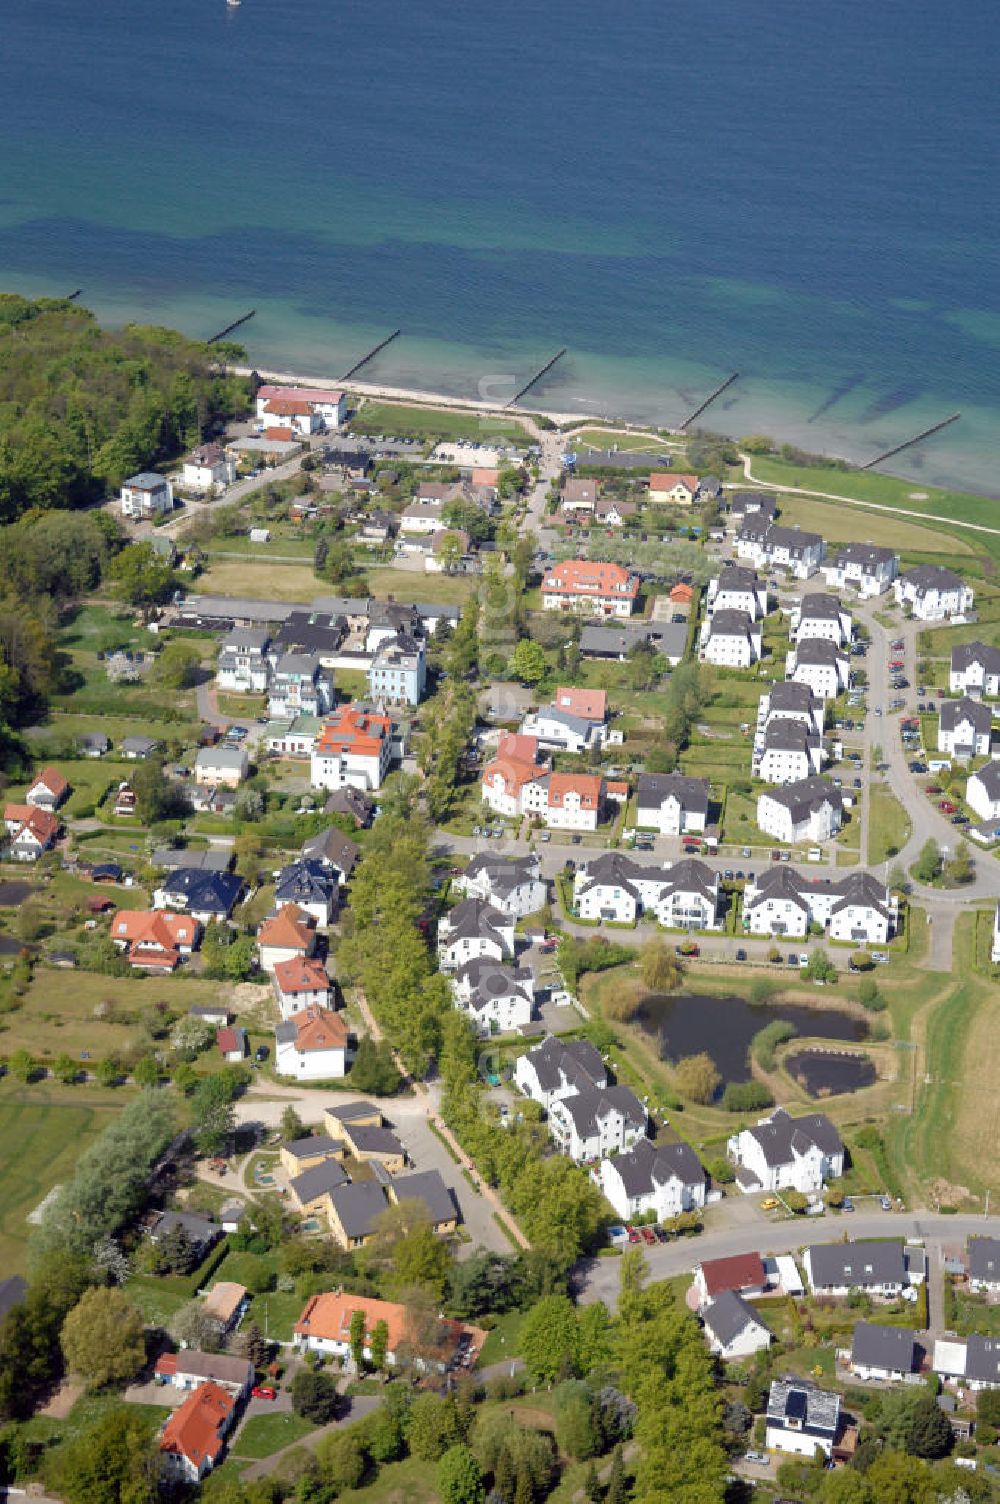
83 407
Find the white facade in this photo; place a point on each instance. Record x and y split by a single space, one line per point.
815 817
965 729
350 768
208 466
860 566
555 1070
975 670
982 792
146 495
856 909
309 1065
665 1180
788 753
474 931
821 666
784 1153
933 593
820 616
513 886
787 701
768 546
243 666
498 999
995 945
731 639
737 589
596 1124
672 804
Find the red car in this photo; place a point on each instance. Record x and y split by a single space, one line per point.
933 788
264 1392
648 1235
547 946
947 806
633 1236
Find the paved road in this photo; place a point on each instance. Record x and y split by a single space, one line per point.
598 1279
356 1407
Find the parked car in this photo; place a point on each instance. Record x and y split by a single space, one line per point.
741 955
264 1392
946 806
880 957
633 1236
885 1203
793 960
648 1235
848 1205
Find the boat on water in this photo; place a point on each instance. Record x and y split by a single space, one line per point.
233 3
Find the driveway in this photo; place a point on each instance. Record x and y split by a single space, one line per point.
356 1407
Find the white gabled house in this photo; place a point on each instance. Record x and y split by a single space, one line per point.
975 670
787 752
499 999
982 792
208 465
811 810
731 639
735 588
965 729
862 567
562 731
557 1069
821 665
146 495
591 1125
513 885
973 1362
672 804
801 1419
933 593
820 615
613 888
785 1153
665 1179
856 908
691 898
733 1328
878 1268
789 701
769 546
887 1354
474 931
243 665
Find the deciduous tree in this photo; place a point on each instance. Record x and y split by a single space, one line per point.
102 1337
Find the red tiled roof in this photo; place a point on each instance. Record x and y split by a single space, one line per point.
301 974
154 927
195 1430
485 477
228 1040
743 1271
591 704
329 1316
682 592
280 433
354 730
586 578
53 781
300 393
166 1365
40 822
586 785
287 407
319 1029
663 480
290 929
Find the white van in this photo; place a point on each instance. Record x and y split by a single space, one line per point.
938 765
814 854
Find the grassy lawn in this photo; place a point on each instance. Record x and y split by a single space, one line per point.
606 438
40 1142
88 1410
975 1314
433 589
409 1482
502 1340
57 1014
888 824
265 1434
839 523
436 423
289 582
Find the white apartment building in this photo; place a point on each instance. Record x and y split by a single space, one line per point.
146 495
737 589
591 1125
785 1153
965 729
975 670
768 546
672 804
731 639
473 931
820 615
243 665
982 792
933 593
790 701
665 1179
862 567
811 810
821 665
497 998
856 908
787 752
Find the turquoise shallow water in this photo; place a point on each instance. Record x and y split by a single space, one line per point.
672 192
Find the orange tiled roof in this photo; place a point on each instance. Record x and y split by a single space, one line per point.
682 592
53 781
309 394
591 704
485 477
280 433
586 785
587 578
223 1300
290 929
663 480
354 730
301 974
319 1029
154 927
195 1430
288 407
42 825
329 1316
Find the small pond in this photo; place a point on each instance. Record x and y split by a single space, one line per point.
826 1073
689 1023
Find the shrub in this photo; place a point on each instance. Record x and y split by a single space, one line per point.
314 1396
746 1096
765 1043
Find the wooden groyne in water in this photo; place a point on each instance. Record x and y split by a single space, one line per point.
709 400
371 354
909 443
546 368
230 327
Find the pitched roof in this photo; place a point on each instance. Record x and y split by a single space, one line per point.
815 1412
805 795
984 1259
868 555
212 892
690 793
730 624
953 712
473 918
586 578
575 1060
820 605
818 650
290 929
301 974
741 1271
329 1316
587 1109
196 1428
776 883
586 787
224 1299
354 730
648 1165
232 1039
222 1368
313 1030
988 777
505 873
781 1137
40 823
427 1187
51 779
305 881
738 579
891 1347
313 1144
863 1264
729 1315
357 1206
591 704
154 927
965 653
665 480
318 1180
932 577
982 1359
790 694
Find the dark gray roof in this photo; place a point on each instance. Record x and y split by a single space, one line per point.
334 848
788 694
611 642
974 711
815 1411
471 918
805 795
820 605
211 859
648 1165
246 639
738 577
776 1135
489 979
691 876
786 735
730 624
588 1108
868 555
989 777
817 650
779 883
982 1360
748 502
795 539
613 868
574 1059
856 1265
311 632
858 888
933 577
965 653
428 1187
313 1144
358 1206
348 1112
201 1230
654 789
505 873
729 1315
984 1259
350 801
140 745
891 1347
371 1140
319 1179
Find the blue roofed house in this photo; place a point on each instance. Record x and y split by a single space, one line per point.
311 885
801 1418
206 895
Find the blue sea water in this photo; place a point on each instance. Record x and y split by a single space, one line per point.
803 193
